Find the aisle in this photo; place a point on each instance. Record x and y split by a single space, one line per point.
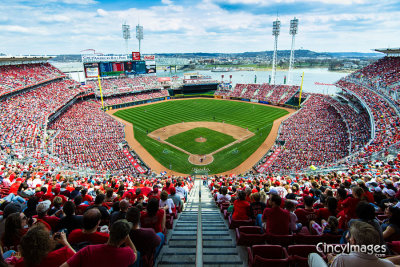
200 236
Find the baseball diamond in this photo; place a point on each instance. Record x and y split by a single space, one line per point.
175 125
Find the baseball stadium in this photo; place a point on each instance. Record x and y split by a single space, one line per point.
128 167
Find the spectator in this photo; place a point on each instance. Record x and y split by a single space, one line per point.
98 204
175 198
153 216
42 209
223 196
121 214
361 234
277 219
308 213
69 221
37 249
10 208
393 227
110 254
89 233
294 225
166 202
241 208
146 240
256 206
14 230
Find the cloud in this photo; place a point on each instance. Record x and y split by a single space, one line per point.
271 2
192 26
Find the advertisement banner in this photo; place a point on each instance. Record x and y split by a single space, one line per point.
269 162
134 162
135 56
149 57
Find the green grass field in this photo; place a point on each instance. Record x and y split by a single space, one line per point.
257 118
186 140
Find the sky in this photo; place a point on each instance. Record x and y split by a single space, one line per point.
180 26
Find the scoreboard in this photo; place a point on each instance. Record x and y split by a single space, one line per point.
114 66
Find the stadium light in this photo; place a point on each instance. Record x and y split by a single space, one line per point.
139 34
294 25
276 28
126 34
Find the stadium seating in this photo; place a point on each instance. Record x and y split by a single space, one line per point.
386 120
277 94
88 138
315 135
121 85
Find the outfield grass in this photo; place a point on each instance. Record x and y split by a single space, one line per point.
186 140
257 118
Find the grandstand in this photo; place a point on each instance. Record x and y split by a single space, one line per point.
268 93
61 155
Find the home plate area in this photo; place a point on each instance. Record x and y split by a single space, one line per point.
201 140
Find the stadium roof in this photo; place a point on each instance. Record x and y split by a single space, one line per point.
4 59
389 51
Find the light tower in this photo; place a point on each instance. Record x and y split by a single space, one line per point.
294 24
126 34
139 34
276 28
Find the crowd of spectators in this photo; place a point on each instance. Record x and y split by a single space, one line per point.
357 122
278 94
117 100
315 135
48 219
328 207
23 116
387 122
17 77
88 138
121 85
382 73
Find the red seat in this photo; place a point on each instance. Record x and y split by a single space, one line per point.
298 254
315 239
267 255
249 236
236 223
283 240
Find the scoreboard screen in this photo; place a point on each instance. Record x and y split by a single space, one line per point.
140 67
91 70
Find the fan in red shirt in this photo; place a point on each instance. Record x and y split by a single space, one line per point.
110 254
349 207
276 218
241 208
329 209
153 216
155 193
308 213
89 233
37 248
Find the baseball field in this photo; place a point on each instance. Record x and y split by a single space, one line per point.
201 134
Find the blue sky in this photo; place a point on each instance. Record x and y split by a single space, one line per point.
69 26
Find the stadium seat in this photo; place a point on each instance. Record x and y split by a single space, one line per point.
298 254
249 236
267 255
236 223
283 240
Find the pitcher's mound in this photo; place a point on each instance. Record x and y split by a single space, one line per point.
200 139
200 159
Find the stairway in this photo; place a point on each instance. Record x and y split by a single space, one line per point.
200 236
